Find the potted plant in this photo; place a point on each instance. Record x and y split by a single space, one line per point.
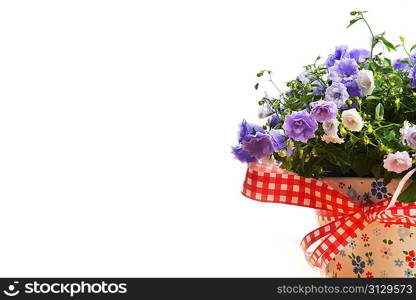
348 121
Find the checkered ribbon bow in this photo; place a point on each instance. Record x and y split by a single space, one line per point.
270 184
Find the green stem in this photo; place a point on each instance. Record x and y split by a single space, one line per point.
271 105
274 84
408 54
319 77
385 126
372 35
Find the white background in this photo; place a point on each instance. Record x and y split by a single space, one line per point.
116 122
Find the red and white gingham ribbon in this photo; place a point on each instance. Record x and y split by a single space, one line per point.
270 184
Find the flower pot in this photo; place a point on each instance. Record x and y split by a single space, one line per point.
379 250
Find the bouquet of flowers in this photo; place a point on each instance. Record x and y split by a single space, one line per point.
352 114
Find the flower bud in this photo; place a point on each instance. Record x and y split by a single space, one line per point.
282 153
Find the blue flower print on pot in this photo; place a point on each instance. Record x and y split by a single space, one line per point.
378 190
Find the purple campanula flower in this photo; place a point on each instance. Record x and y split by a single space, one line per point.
242 155
398 64
348 106
341 52
318 88
290 150
300 126
359 55
289 93
408 135
304 77
337 93
353 89
265 110
258 146
343 71
278 139
412 77
273 121
324 110
247 129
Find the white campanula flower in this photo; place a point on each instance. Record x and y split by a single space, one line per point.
408 135
404 131
352 119
331 127
332 139
365 81
398 162
331 132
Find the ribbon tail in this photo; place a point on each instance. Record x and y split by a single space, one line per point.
318 234
400 187
336 235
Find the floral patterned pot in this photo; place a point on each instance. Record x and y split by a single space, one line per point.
379 250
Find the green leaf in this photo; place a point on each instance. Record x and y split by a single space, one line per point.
388 44
353 21
379 111
337 156
259 74
389 136
405 252
376 171
404 62
256 86
372 98
409 195
387 178
361 164
413 48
